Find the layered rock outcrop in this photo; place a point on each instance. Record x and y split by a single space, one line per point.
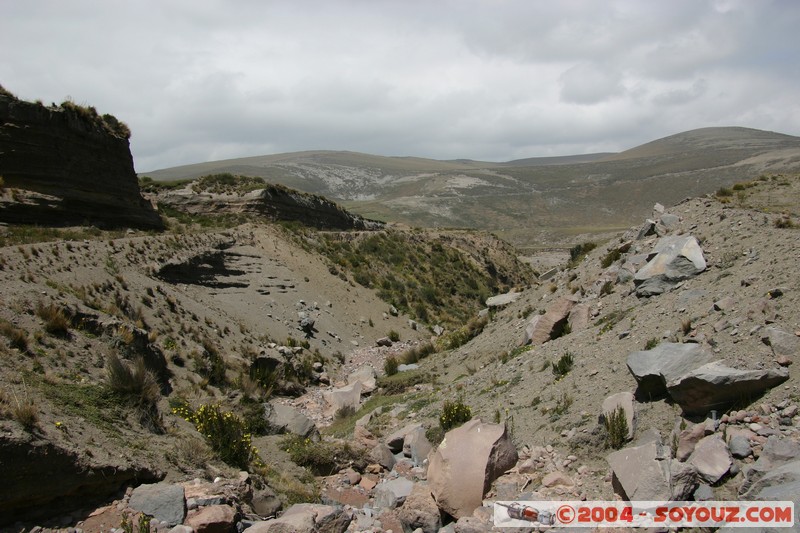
68 166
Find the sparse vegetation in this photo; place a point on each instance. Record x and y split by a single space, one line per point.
723 192
18 337
393 336
578 252
322 458
390 365
563 366
55 320
651 343
226 433
611 257
784 222
616 426
454 414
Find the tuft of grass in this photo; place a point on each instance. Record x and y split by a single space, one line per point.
393 336
723 192
611 257
563 366
135 382
322 458
651 343
686 326
18 337
402 381
784 222
55 320
390 365
578 252
23 410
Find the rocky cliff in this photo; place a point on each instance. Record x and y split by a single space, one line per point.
67 165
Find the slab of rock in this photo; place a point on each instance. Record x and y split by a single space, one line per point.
382 455
624 400
417 446
557 479
579 317
466 463
669 220
366 375
503 299
639 472
420 510
674 259
396 440
715 386
306 518
688 439
266 502
163 501
393 493
542 327
286 419
711 458
213 519
781 342
345 397
653 369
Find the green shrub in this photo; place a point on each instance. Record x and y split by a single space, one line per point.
454 414
607 288
616 425
227 434
563 366
610 257
390 365
724 192
651 343
416 353
578 252
394 336
323 458
400 382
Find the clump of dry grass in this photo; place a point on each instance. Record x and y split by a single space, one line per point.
22 410
55 320
136 381
17 336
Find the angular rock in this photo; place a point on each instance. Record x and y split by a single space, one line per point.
544 327
624 400
384 341
213 519
417 446
393 493
266 502
669 221
781 342
711 458
163 501
714 386
503 299
641 472
382 455
286 419
396 440
688 439
465 464
653 369
675 258
557 479
345 397
683 480
365 375
306 518
579 317
739 447
420 510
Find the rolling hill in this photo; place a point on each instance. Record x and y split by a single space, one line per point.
529 202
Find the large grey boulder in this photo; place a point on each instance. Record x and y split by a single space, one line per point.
776 474
653 369
366 375
673 259
542 328
465 464
163 501
781 342
715 386
286 419
417 446
306 518
420 510
392 493
711 458
503 299
646 472
344 397
625 401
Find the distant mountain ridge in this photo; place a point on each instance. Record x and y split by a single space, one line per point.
526 200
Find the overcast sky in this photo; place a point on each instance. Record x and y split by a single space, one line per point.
200 80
